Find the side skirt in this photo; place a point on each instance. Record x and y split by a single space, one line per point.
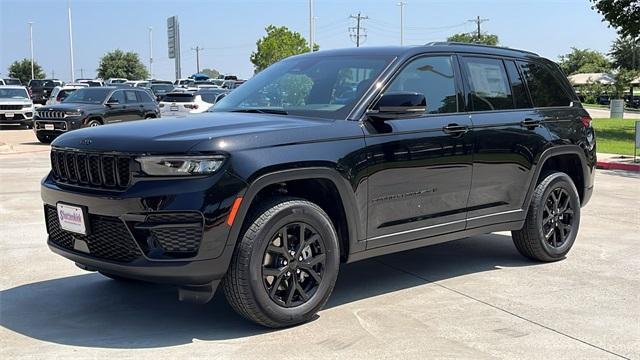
409 245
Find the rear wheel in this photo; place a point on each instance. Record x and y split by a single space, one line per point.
285 266
553 219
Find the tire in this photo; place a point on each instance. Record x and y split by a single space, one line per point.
257 296
549 231
45 139
94 123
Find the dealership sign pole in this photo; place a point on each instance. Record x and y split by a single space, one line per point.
173 36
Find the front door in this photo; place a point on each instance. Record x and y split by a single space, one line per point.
420 167
116 112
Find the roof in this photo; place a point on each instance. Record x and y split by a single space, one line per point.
586 78
429 47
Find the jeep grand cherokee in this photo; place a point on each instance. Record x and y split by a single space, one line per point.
334 156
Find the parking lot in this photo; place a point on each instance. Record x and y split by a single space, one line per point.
473 298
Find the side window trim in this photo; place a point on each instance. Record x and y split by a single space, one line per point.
461 107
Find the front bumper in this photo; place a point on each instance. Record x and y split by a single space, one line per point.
20 117
60 126
209 196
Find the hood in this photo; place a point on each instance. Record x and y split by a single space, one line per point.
70 107
179 135
5 101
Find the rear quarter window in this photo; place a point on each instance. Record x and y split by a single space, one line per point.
546 89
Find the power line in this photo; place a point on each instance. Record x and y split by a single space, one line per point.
358 32
478 22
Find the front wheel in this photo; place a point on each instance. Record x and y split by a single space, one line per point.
94 123
552 222
285 266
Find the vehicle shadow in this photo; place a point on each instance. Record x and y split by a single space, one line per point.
93 311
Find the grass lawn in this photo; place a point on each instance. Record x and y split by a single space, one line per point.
615 136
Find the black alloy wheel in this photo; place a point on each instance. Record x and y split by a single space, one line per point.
557 218
293 264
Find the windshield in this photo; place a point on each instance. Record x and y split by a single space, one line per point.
13 94
162 88
315 86
88 96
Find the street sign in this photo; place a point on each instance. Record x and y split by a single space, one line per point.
171 36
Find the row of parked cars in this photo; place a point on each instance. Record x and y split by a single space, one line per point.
89 102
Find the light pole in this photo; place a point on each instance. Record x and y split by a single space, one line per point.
70 40
151 52
31 45
402 4
311 26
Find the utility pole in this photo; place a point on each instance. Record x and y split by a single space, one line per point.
31 44
81 73
311 26
358 31
150 52
478 22
197 49
70 40
53 74
402 5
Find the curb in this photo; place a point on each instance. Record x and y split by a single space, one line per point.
617 166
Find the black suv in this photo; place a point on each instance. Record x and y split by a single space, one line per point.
93 106
328 157
40 90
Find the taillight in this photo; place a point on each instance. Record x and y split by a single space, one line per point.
586 121
191 106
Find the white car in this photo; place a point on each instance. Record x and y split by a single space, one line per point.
16 107
184 82
59 93
182 104
115 81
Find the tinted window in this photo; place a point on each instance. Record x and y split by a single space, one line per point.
433 77
63 94
143 96
93 95
180 97
13 94
118 95
545 89
521 97
131 97
489 85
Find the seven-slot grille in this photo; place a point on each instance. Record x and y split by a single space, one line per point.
91 170
10 107
50 114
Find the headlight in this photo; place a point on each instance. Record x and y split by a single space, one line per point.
73 113
180 165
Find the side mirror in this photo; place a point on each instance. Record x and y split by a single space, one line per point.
399 105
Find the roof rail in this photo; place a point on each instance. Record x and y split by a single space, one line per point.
445 43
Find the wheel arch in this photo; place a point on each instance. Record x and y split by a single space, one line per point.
553 159
352 229
94 117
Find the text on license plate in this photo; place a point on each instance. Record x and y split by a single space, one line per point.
49 127
72 218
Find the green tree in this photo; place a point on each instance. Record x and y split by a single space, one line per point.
487 39
120 64
584 61
625 53
623 79
22 70
279 43
624 15
211 73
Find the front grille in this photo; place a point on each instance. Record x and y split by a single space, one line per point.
91 170
50 114
174 234
108 237
10 107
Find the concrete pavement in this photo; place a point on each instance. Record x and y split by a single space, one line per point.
472 298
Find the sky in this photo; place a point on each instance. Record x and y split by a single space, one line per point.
228 29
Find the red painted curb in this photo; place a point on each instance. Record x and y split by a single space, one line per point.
617 166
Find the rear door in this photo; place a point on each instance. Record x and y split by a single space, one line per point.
507 137
116 112
134 110
419 169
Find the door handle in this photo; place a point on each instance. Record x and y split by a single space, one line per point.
455 129
530 123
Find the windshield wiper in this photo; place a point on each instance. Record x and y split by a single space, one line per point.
262 111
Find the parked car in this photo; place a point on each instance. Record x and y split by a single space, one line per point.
160 90
59 93
16 107
93 106
12 81
603 99
184 82
212 95
232 84
91 82
182 104
40 90
271 191
113 81
632 102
